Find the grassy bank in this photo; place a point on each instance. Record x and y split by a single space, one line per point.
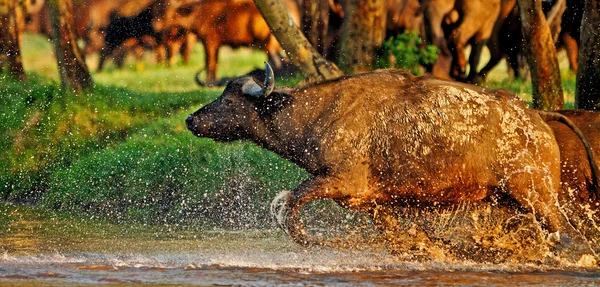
122 152
125 155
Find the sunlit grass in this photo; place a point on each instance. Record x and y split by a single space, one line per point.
122 152
500 78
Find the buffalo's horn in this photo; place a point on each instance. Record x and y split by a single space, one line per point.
251 88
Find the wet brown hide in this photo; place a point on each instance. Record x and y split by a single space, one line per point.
576 174
376 140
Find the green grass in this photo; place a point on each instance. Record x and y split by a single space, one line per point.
499 78
122 152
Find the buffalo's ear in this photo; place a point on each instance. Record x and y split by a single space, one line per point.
251 88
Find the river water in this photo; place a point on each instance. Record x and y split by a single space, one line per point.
39 250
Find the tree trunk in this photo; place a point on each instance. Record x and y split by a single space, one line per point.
541 56
73 71
587 95
10 41
302 54
363 32
554 18
315 22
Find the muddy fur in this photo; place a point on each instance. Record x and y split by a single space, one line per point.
379 141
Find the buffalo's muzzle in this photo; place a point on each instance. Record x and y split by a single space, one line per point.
189 121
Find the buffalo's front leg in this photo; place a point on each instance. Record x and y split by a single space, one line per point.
287 205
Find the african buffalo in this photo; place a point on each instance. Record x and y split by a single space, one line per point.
579 196
377 140
507 38
218 23
577 172
121 29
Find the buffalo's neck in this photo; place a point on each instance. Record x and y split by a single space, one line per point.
290 132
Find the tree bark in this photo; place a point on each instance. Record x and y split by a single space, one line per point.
10 41
363 32
315 22
587 95
554 18
302 54
541 56
73 71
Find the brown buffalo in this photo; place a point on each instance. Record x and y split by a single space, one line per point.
577 173
90 18
452 25
507 38
579 196
218 23
377 140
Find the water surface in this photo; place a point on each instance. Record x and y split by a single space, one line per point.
49 250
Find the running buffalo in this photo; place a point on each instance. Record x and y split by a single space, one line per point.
381 139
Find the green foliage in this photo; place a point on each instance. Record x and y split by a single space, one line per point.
128 157
406 51
163 173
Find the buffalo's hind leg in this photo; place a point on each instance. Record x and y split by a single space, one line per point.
538 197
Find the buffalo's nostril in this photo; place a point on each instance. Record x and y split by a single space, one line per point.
189 121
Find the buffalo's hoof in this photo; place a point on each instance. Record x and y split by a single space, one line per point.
287 221
278 209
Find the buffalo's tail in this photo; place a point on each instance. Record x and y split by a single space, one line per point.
214 83
198 80
554 116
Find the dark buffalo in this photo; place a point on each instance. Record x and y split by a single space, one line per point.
571 29
121 29
377 140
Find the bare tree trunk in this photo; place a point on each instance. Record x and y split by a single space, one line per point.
315 22
587 95
302 54
10 41
541 56
555 18
362 33
73 71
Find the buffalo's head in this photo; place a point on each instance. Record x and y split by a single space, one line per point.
237 113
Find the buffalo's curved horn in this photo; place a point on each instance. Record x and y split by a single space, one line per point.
252 88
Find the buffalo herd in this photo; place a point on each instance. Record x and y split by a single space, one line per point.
169 27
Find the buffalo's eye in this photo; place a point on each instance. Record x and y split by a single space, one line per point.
227 102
